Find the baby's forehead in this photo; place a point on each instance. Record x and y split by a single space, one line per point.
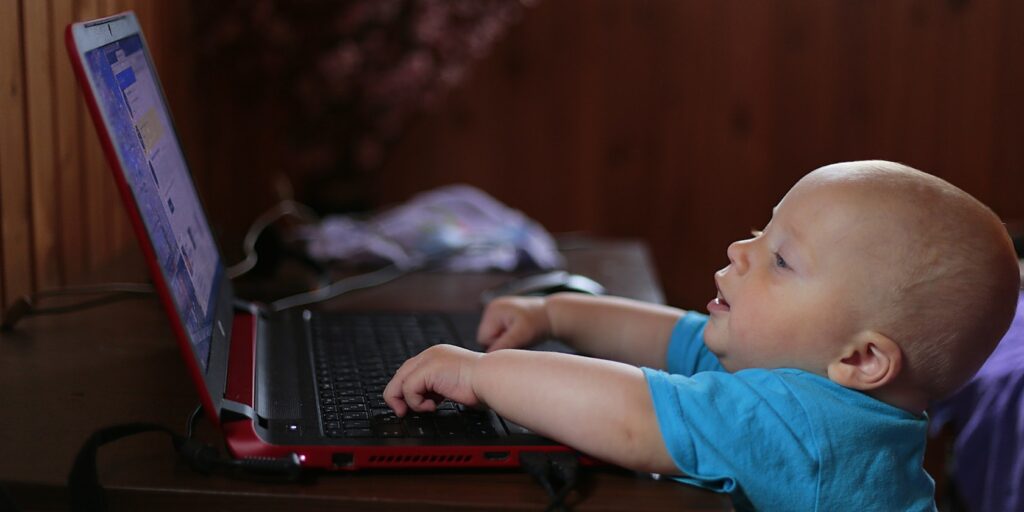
824 203
851 220
883 216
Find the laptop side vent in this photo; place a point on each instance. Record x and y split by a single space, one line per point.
385 460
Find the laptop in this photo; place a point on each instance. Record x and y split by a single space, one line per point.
295 384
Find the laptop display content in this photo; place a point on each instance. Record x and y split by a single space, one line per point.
155 170
277 384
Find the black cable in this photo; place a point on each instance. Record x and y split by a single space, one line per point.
85 304
340 287
372 278
88 495
566 466
28 305
83 482
556 472
190 424
284 208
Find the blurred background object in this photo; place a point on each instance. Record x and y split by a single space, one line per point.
344 78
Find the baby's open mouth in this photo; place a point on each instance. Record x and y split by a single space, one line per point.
718 304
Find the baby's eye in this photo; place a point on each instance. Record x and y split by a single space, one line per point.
780 261
756 232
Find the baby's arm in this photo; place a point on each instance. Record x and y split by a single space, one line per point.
613 328
602 408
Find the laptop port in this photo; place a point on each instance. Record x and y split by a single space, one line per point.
342 459
496 456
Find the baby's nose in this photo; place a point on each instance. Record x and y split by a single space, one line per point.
737 253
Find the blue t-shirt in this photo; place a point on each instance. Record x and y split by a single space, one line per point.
785 439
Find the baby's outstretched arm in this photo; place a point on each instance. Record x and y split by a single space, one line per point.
613 328
601 408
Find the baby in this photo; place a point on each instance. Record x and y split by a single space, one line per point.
874 290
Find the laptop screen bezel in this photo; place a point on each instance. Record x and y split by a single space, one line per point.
81 38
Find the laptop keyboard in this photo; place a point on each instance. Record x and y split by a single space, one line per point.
357 354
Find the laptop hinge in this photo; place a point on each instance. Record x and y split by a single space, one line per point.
253 308
240 397
232 411
239 388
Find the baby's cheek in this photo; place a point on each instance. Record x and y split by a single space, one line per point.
742 327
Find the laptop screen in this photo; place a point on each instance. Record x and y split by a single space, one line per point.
155 168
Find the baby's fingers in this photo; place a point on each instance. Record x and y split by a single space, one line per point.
394 393
417 396
394 398
518 334
492 326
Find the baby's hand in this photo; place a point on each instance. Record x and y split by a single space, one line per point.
513 322
439 372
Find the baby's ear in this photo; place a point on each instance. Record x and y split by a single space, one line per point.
871 361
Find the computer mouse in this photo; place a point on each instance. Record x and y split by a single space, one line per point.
545 283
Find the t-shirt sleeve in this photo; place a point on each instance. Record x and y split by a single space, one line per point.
740 434
687 353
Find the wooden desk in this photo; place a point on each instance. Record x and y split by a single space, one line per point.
62 377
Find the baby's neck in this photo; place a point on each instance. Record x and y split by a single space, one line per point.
910 400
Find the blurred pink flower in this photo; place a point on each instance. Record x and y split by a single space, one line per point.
356 71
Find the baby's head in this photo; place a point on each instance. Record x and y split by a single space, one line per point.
880 277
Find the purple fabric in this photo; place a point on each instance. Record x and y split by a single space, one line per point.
987 415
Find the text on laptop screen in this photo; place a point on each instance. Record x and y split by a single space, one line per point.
156 172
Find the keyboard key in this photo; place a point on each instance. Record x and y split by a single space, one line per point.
359 432
389 430
424 430
420 427
386 419
449 426
481 432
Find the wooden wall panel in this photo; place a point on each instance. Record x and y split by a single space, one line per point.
15 207
41 157
69 116
61 215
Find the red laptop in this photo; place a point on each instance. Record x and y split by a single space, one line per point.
277 383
